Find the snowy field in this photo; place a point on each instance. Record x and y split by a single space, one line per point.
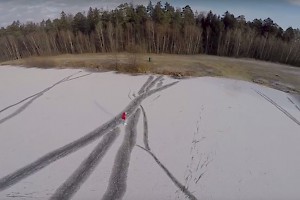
198 138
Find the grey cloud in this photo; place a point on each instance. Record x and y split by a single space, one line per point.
294 2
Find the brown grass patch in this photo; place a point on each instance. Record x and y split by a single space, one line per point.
39 62
282 77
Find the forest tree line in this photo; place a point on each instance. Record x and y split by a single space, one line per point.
159 28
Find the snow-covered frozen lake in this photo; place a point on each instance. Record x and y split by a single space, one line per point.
212 138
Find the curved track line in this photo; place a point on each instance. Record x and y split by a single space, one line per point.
19 110
170 175
32 99
43 91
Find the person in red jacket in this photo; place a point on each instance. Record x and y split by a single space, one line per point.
124 115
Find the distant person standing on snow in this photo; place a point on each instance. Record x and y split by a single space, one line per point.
124 115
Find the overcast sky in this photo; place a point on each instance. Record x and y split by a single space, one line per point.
283 12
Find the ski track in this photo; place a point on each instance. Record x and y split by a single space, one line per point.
170 175
117 183
63 151
278 107
72 185
33 98
142 90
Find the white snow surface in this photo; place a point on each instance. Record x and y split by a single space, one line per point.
241 145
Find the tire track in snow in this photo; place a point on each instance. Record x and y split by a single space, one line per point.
43 91
73 183
19 110
142 90
102 108
117 183
169 174
153 83
160 83
63 151
293 103
155 98
33 98
77 77
145 120
278 107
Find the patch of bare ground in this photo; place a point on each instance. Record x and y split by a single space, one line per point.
278 76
